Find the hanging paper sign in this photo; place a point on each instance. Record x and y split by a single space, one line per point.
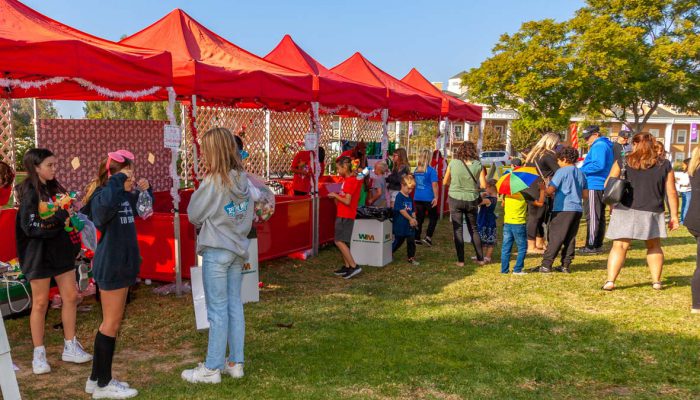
75 163
172 136
443 127
310 141
694 132
410 128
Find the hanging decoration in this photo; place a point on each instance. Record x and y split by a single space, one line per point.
352 109
119 95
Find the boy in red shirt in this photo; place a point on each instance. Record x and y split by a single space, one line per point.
303 171
346 209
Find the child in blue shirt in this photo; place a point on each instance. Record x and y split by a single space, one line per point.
405 219
568 188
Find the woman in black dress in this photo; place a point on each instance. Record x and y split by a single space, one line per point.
543 158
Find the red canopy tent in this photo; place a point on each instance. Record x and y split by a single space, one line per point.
404 102
330 89
216 70
44 58
452 108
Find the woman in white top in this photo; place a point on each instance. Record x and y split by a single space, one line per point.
683 188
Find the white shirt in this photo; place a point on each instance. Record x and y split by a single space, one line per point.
682 182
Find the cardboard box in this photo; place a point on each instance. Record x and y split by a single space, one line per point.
371 242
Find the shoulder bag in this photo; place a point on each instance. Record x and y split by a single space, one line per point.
618 188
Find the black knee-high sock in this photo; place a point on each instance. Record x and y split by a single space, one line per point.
102 361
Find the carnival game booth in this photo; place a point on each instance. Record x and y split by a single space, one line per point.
45 59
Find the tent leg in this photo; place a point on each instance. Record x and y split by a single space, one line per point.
267 144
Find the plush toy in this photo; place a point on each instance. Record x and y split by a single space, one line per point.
47 209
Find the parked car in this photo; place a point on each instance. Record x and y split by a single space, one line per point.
498 157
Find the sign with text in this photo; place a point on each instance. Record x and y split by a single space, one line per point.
310 141
693 132
172 136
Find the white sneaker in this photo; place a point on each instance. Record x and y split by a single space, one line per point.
73 352
91 385
236 371
39 364
115 390
202 374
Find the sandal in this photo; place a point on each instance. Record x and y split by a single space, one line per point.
608 286
656 285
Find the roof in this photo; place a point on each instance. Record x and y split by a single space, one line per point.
404 102
44 58
330 89
459 75
209 66
452 107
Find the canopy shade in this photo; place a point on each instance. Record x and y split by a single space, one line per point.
404 102
330 89
209 66
453 108
46 59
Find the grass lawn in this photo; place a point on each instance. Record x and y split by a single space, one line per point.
401 332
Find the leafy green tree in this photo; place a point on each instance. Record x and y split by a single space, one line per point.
23 124
633 55
127 110
530 72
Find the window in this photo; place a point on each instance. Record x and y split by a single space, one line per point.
459 134
654 132
681 135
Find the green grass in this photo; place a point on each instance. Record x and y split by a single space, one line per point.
430 332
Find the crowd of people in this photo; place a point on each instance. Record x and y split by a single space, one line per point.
543 219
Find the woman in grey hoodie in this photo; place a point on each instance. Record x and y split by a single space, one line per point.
222 209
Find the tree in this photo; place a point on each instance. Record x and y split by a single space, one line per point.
127 110
525 133
530 72
633 55
23 124
492 139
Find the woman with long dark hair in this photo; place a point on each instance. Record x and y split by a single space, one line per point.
400 169
46 250
466 176
640 214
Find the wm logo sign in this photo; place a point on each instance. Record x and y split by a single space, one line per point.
365 236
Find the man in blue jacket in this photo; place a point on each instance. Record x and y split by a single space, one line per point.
596 167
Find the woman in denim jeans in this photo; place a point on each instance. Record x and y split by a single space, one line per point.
222 208
466 176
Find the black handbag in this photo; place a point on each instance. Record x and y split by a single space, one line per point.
618 189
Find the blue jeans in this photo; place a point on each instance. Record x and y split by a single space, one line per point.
685 196
221 273
513 233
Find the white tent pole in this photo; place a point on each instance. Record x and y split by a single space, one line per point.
315 217
35 122
267 144
448 131
174 193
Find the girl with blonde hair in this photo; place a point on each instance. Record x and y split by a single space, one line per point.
543 157
426 197
222 208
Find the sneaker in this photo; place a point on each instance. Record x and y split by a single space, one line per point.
341 271
83 270
563 269
428 241
114 390
419 242
519 273
91 385
352 272
73 352
589 252
544 270
235 371
413 261
201 374
39 364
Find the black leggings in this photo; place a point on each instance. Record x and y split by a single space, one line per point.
423 207
695 282
537 218
465 210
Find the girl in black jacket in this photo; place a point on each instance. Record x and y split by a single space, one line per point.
46 250
110 201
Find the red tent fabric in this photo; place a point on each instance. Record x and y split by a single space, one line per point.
209 66
330 89
44 58
453 108
404 102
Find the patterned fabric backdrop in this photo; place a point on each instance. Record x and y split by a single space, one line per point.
90 140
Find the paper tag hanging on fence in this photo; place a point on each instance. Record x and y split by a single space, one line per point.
75 163
151 158
172 136
310 141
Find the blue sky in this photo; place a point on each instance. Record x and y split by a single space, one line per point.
439 37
